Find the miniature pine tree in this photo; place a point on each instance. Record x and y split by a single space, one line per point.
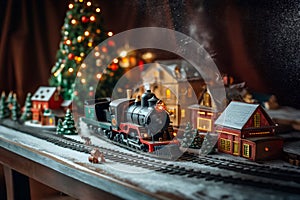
188 136
16 110
27 114
4 110
68 124
197 142
59 128
9 99
208 144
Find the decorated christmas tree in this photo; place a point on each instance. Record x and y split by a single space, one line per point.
16 110
68 125
4 110
82 31
27 114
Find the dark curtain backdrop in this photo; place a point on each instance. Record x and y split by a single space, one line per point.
255 41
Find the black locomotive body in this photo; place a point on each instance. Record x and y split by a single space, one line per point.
141 124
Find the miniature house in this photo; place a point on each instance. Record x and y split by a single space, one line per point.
48 118
177 83
247 130
45 98
204 114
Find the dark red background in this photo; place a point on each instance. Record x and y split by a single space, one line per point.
255 41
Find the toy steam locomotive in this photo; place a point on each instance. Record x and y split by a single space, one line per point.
141 123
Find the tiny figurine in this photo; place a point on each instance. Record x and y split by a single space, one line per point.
247 130
87 140
27 113
4 109
15 110
96 156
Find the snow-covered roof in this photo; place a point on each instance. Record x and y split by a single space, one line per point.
43 93
236 115
66 103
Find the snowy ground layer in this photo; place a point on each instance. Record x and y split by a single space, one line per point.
155 182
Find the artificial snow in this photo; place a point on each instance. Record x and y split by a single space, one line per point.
152 181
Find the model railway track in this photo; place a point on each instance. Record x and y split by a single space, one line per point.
132 149
173 169
244 168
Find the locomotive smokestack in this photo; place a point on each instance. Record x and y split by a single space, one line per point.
145 97
129 93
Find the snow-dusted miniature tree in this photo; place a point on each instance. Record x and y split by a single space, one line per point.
59 128
69 124
9 100
208 144
4 110
15 110
27 114
188 136
191 138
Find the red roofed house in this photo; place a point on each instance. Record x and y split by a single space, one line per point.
45 98
247 130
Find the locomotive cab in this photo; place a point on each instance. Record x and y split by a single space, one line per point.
117 111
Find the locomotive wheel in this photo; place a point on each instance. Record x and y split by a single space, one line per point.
144 147
127 143
109 135
106 133
122 139
117 137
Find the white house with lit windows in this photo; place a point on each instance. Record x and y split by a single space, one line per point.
178 84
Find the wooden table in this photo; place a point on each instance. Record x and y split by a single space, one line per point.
31 174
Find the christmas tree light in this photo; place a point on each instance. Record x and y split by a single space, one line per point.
81 32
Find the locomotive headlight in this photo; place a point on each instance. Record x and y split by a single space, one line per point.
174 134
145 135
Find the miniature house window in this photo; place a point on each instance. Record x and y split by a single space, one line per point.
204 124
182 113
256 120
222 144
172 112
50 121
168 93
207 99
227 145
247 150
235 148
